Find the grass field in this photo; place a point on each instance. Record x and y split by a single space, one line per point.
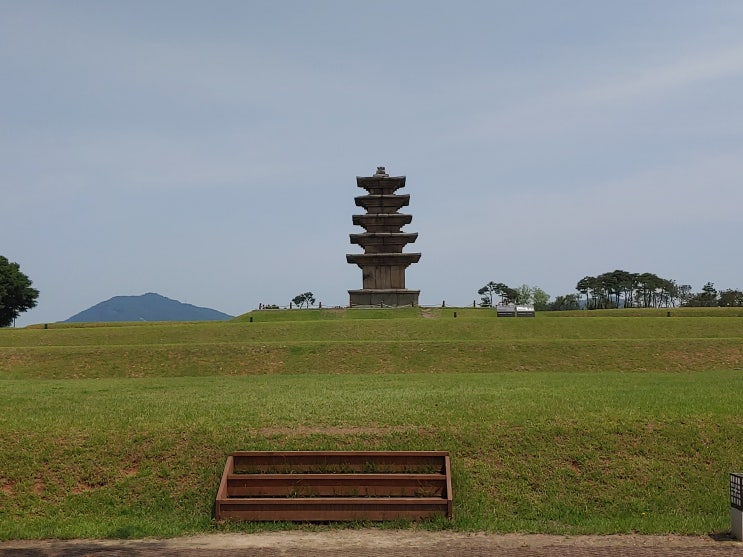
624 422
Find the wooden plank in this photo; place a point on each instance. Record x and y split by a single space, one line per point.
228 469
338 462
336 485
325 510
449 500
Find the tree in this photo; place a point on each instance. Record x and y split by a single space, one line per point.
617 286
524 295
620 288
684 293
541 299
507 295
308 299
731 298
528 296
596 291
487 292
564 303
706 298
583 286
648 288
16 294
669 292
628 283
709 294
609 290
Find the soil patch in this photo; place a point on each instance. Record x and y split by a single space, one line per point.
378 543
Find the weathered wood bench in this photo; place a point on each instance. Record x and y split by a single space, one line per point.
323 486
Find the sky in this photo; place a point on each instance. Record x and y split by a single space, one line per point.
208 151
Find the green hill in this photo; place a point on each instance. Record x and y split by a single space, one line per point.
619 422
147 307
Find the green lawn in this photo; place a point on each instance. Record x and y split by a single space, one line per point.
571 425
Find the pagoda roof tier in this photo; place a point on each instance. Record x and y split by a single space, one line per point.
384 242
382 222
380 184
382 203
383 259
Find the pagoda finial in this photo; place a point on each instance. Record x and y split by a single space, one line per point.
381 172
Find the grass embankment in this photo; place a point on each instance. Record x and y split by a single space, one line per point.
396 342
601 435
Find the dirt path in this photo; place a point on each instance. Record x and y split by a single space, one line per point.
378 543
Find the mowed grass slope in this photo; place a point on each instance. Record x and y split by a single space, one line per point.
574 425
373 341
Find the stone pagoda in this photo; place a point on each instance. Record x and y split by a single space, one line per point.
383 263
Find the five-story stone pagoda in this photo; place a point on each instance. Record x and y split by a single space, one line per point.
383 263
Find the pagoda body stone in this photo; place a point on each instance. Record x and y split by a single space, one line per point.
383 262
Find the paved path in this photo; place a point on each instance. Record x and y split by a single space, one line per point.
378 543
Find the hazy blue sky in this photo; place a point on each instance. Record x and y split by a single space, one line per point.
208 151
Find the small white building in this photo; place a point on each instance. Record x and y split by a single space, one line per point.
512 310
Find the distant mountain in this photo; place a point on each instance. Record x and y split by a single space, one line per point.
147 307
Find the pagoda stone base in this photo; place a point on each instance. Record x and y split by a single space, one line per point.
389 298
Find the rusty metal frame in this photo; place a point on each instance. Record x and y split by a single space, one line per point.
323 486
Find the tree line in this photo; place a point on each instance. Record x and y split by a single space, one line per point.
614 289
498 292
647 290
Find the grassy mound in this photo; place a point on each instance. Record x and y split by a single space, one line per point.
616 423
